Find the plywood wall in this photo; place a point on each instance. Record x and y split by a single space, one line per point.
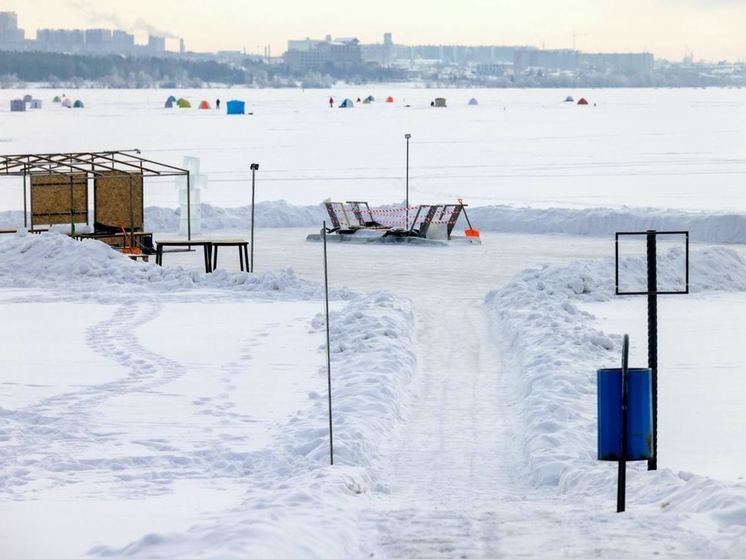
112 202
51 200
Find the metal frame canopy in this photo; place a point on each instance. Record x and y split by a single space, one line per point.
89 164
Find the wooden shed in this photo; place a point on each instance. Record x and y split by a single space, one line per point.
56 190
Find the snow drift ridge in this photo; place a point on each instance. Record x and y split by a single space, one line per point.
704 226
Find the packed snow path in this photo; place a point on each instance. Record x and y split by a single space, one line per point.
451 481
452 484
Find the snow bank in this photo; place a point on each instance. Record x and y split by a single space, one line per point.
52 260
277 213
297 505
703 226
552 355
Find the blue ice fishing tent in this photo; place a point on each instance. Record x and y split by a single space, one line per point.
569 99
235 107
346 104
171 99
473 101
169 103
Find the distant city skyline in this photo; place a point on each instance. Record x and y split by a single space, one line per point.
672 29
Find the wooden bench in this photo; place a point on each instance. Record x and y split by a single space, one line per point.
206 247
243 252
4 230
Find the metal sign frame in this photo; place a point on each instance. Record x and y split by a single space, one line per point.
619 234
652 293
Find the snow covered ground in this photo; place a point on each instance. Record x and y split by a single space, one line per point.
553 348
159 412
701 376
445 473
156 392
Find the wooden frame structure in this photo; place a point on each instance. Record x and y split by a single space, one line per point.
121 172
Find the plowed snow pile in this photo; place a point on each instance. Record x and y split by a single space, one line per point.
553 352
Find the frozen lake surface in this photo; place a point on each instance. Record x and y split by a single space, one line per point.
681 148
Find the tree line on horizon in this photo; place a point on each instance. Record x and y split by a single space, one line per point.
139 72
118 71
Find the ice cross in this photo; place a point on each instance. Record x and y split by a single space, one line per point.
197 182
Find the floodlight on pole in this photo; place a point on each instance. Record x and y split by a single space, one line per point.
254 168
407 137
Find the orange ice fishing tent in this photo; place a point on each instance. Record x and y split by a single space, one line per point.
204 105
389 99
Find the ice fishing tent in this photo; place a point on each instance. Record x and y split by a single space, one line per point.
439 102
183 104
204 105
569 99
235 107
27 98
583 101
78 104
473 101
35 104
346 104
67 103
369 99
56 99
389 99
169 104
171 99
17 105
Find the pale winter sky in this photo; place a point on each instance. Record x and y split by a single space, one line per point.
711 29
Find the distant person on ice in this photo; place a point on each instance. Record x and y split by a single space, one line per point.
217 104
331 102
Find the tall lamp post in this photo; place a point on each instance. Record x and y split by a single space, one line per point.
254 168
407 136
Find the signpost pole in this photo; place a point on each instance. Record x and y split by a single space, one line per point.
652 258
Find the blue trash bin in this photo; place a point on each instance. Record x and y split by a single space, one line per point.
639 414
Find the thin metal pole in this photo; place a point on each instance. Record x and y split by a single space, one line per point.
189 205
622 476
72 207
25 210
251 248
328 347
653 337
406 197
132 213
